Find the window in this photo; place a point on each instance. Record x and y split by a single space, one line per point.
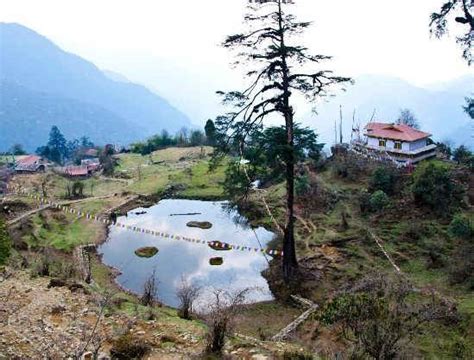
398 145
382 143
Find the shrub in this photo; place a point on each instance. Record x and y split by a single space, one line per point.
378 315
302 185
379 201
434 186
383 178
127 347
462 265
49 264
461 227
187 294
5 242
150 290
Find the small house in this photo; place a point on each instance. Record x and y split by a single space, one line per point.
76 171
29 164
400 143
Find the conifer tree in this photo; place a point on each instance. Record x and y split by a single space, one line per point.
277 68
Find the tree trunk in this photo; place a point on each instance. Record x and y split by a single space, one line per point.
290 264
289 253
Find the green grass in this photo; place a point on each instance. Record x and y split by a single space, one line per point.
64 234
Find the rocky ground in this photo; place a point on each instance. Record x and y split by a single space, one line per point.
39 321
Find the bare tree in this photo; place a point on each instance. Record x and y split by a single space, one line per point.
187 294
220 319
464 10
150 290
407 117
276 67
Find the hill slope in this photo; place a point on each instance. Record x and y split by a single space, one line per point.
37 65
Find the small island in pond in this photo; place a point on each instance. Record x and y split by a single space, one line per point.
199 224
217 261
146 252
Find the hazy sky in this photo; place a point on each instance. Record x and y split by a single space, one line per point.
172 45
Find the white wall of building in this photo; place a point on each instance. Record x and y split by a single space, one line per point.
415 145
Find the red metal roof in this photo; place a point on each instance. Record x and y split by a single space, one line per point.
395 132
77 171
28 160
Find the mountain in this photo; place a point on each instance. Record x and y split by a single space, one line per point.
438 108
59 88
27 116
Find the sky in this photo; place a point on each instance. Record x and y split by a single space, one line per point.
173 46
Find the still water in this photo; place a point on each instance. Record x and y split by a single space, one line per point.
176 259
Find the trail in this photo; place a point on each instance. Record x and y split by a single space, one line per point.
46 207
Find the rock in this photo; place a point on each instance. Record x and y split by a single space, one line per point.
58 309
200 224
56 283
87 356
259 357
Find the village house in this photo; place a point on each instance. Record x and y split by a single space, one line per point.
29 164
400 143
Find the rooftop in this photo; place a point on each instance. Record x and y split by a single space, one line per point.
27 160
395 132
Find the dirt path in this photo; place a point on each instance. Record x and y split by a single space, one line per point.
27 215
46 207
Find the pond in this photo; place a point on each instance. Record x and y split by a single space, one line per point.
236 270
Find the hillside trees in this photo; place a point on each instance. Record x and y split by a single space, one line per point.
407 117
434 185
17 149
277 70
463 156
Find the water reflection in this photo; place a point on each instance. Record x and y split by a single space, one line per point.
176 258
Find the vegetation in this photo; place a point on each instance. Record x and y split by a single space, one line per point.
464 11
146 252
59 150
5 242
187 294
384 178
183 138
434 185
276 69
380 316
407 117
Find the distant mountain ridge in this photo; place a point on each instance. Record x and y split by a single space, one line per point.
31 65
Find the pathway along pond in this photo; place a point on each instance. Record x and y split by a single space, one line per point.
176 259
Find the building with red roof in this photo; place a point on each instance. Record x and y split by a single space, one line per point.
29 164
77 171
398 142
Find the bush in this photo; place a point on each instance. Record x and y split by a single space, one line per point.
379 201
5 242
127 347
383 178
302 185
461 227
434 186
49 264
378 315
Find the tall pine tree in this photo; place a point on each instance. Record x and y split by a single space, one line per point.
277 68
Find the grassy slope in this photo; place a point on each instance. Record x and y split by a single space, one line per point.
357 257
361 255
